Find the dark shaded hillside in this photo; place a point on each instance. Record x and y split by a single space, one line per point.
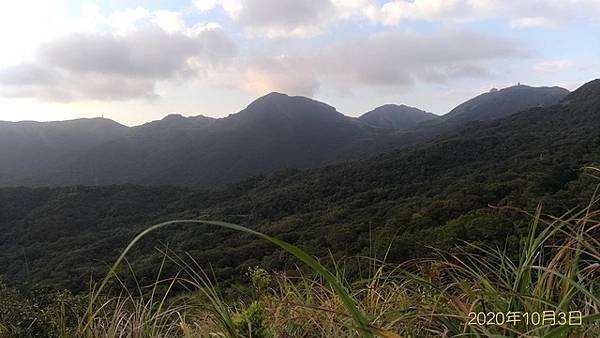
62 235
32 149
274 132
493 105
504 102
437 194
150 147
172 126
399 117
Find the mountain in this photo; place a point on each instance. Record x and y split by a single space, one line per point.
173 124
400 117
504 102
434 194
31 149
495 104
274 132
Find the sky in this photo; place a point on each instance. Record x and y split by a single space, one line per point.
135 61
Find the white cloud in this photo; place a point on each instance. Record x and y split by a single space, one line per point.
399 59
205 5
142 48
146 53
63 86
23 24
133 19
553 66
529 22
128 53
232 7
306 18
459 10
280 73
126 21
89 20
170 22
276 18
521 14
290 18
353 8
26 73
391 60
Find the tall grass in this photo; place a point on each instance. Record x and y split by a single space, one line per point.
556 271
359 320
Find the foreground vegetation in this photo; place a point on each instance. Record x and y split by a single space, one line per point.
555 272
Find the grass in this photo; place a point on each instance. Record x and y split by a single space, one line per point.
557 271
359 320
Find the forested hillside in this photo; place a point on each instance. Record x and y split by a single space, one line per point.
501 103
31 150
438 194
274 132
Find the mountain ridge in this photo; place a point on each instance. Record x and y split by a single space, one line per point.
274 132
520 96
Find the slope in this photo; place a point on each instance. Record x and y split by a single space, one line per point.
400 117
435 194
31 149
504 102
274 132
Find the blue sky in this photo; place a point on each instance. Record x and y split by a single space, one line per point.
136 61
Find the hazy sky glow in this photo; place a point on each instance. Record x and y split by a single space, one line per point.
135 61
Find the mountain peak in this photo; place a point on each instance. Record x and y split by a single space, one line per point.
588 91
273 97
173 116
276 94
84 121
522 86
173 124
394 106
393 116
497 104
178 118
278 105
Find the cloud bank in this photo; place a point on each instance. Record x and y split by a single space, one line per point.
294 46
394 60
123 64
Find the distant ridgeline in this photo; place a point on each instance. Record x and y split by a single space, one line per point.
274 132
435 190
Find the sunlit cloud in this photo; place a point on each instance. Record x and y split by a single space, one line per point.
120 65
